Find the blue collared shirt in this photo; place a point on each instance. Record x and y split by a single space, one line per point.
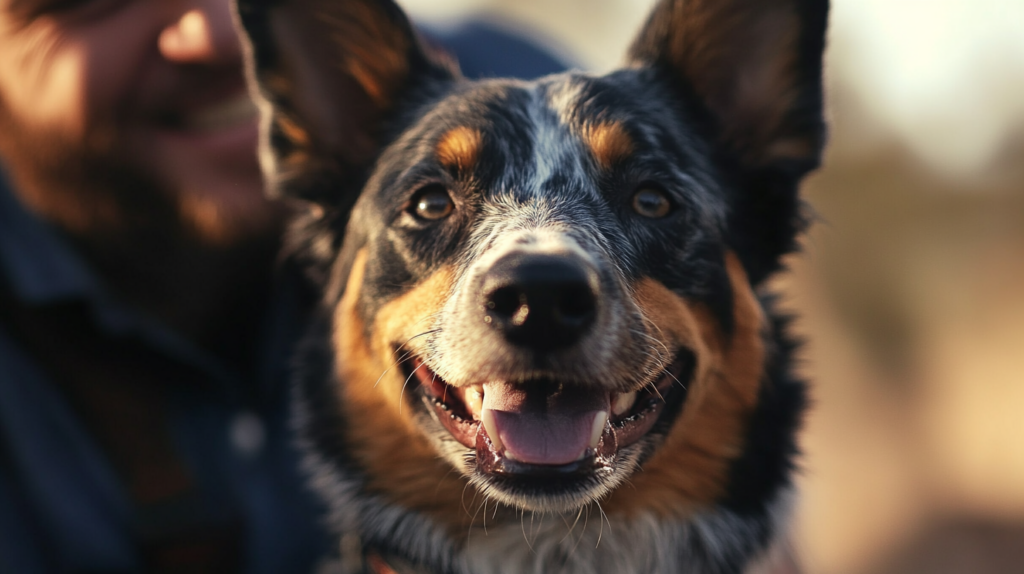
62 508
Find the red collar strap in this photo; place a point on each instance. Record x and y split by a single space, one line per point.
376 565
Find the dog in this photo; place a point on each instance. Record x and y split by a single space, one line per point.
545 344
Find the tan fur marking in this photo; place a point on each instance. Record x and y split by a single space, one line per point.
742 61
299 156
292 130
609 143
459 148
689 471
401 464
374 49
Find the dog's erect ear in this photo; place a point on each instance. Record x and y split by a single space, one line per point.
754 67
328 76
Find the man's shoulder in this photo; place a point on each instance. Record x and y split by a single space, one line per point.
484 50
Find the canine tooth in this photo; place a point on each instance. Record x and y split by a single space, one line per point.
487 418
474 399
598 428
624 402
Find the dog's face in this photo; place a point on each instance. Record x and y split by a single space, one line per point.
545 286
540 265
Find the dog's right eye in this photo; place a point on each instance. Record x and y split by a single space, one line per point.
651 202
432 203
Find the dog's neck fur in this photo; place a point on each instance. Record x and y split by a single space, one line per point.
716 541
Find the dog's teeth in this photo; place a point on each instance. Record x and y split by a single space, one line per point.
624 402
487 418
598 429
474 399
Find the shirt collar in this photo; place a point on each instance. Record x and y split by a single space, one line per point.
38 263
41 268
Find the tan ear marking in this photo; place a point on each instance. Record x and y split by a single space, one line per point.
459 148
374 47
292 130
609 142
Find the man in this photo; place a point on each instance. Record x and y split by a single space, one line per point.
142 411
144 328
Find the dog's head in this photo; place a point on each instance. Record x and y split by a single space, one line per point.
545 285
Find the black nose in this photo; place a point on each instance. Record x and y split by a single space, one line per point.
543 302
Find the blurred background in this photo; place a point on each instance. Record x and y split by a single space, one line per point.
910 287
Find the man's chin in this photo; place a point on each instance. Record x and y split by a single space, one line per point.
226 217
112 186
214 179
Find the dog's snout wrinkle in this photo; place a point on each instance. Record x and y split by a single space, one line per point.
542 302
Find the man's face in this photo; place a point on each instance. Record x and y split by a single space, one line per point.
116 113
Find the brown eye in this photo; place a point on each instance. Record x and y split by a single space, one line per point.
433 203
651 202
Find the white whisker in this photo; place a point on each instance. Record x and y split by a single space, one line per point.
404 356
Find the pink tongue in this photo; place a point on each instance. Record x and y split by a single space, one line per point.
537 426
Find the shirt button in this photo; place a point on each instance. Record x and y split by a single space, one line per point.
248 434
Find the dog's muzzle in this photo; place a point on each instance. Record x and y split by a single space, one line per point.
550 382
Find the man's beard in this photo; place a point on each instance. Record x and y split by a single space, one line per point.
175 253
91 188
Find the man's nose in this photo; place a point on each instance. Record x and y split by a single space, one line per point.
202 34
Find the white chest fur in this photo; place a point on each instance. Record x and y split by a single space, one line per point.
645 545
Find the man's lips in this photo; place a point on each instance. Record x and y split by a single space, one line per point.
197 101
224 114
216 134
543 423
231 111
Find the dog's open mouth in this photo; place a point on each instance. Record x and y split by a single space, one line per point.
544 427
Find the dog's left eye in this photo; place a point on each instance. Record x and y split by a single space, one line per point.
651 202
432 203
